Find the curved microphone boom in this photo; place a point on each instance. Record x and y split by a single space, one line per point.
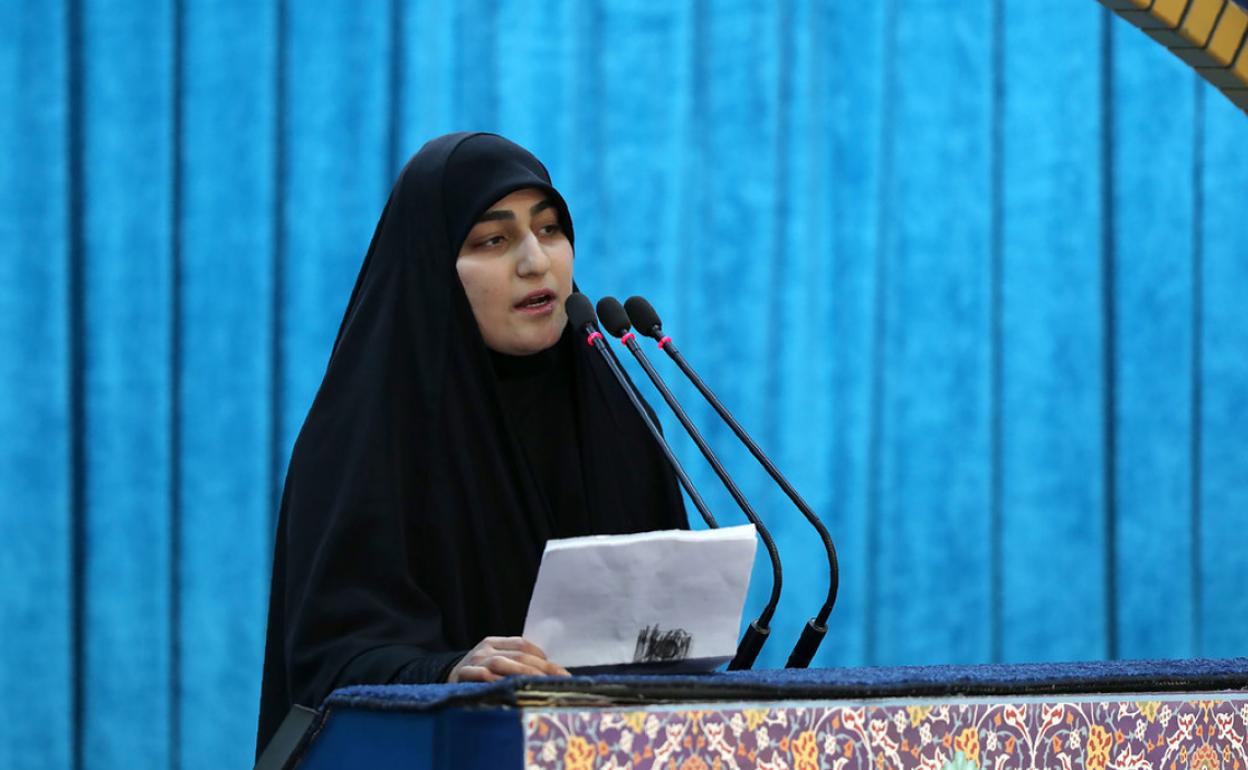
615 320
581 317
646 320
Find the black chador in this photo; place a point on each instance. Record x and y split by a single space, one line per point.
430 472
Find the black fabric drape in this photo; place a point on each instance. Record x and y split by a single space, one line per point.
414 516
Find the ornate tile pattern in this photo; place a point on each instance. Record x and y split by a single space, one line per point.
1122 734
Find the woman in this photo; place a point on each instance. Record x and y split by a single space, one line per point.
459 426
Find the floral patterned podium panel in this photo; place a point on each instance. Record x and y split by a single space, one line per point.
1066 733
1103 715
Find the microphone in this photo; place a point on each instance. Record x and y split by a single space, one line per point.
615 320
647 322
581 317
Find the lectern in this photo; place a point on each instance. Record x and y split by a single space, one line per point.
1125 715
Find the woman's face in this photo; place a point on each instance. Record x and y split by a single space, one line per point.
516 267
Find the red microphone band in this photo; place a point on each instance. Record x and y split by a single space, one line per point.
627 338
593 336
664 341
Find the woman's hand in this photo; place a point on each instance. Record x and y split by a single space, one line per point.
498 656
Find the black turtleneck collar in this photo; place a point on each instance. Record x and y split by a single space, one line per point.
508 367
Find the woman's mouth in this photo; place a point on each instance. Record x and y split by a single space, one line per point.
537 303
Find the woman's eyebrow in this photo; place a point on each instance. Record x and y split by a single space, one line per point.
497 214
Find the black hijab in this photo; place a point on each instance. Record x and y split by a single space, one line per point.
416 507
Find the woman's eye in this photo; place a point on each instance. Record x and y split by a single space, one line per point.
550 229
490 242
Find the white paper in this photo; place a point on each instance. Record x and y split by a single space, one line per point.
665 599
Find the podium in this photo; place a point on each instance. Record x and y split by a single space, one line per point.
1124 715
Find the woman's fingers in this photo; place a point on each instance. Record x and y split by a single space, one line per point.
512 663
524 646
517 643
520 665
541 666
499 656
474 674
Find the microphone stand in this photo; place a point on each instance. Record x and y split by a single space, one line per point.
612 314
646 320
593 338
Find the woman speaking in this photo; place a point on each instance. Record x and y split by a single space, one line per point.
458 427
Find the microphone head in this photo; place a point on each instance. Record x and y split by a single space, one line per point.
611 314
580 312
644 317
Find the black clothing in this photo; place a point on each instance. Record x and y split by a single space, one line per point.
423 486
535 392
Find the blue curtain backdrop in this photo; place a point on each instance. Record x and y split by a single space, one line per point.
967 269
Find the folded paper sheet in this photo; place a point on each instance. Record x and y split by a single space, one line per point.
669 599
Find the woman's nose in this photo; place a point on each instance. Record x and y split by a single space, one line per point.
533 258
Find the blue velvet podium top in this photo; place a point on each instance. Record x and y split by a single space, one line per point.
1091 715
